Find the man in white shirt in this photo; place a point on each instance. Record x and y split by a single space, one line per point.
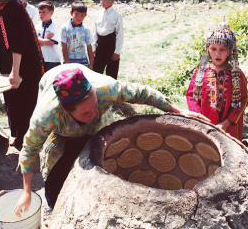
32 11
108 40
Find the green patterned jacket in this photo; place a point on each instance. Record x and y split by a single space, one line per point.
49 116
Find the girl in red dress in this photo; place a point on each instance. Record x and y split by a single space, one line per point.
218 88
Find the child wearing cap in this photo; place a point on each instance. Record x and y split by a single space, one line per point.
218 87
76 37
48 35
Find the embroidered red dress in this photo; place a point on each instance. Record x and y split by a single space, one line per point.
216 98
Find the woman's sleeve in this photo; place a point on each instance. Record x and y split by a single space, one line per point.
235 114
40 128
119 92
193 105
20 29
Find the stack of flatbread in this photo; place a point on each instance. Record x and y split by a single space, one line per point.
4 83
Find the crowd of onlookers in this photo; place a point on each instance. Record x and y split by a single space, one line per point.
30 49
97 50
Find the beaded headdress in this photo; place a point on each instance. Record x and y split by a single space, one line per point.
224 36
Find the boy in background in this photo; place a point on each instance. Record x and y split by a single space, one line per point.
108 40
48 35
76 37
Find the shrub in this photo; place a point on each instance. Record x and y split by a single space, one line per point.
238 21
177 75
181 72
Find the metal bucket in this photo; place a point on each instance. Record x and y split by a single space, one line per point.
30 219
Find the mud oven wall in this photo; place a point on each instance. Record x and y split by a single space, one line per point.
156 172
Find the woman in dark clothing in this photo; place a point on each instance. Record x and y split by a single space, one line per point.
20 57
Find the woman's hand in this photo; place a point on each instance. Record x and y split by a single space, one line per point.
194 115
15 80
23 203
174 109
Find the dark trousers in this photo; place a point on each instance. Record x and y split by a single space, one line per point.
103 56
50 65
59 173
20 104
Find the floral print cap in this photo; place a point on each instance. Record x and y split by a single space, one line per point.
71 86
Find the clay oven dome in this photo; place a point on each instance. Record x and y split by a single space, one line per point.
155 171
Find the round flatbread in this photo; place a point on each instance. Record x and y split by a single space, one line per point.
212 169
144 177
192 165
117 147
178 142
169 182
130 158
207 152
109 165
162 160
190 184
149 141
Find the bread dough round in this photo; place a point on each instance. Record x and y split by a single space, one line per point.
117 147
144 177
207 152
149 141
190 184
162 160
178 142
169 182
110 165
130 158
192 165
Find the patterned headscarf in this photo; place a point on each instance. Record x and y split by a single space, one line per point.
71 86
224 36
